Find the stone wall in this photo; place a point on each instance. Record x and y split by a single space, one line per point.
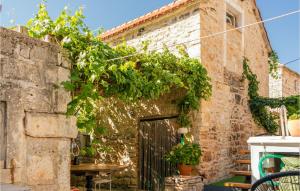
224 123
184 183
37 134
180 27
290 82
122 120
275 85
287 83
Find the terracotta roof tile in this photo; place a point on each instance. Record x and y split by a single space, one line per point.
145 18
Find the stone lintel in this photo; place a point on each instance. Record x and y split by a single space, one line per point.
49 125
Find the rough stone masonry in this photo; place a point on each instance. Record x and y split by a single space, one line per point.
35 132
224 122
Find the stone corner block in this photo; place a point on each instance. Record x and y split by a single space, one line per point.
40 170
49 125
63 74
62 98
5 176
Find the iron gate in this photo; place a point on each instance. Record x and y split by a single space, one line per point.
156 138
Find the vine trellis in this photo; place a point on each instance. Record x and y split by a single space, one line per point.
95 75
259 105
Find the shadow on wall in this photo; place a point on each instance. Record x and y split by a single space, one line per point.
122 120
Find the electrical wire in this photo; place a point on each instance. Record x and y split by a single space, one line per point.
218 33
291 61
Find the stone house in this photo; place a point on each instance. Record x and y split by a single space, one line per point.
224 123
35 134
287 83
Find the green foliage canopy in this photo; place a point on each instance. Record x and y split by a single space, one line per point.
97 74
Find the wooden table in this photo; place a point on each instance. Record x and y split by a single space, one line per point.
90 169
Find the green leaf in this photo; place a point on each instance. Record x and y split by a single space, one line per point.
68 85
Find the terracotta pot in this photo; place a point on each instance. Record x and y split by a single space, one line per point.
185 170
294 127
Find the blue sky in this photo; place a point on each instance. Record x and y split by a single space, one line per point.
284 33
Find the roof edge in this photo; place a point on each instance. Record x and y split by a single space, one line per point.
145 18
289 69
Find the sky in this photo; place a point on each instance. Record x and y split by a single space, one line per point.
284 33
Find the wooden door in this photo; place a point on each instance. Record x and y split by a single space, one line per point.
156 138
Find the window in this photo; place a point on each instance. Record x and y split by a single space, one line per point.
234 14
296 85
231 19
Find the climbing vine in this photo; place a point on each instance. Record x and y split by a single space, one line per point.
273 61
96 73
258 105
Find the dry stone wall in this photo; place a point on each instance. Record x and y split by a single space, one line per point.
37 133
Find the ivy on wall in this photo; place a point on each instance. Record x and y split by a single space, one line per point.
273 61
96 74
259 105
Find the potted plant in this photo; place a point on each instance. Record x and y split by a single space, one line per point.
186 156
294 125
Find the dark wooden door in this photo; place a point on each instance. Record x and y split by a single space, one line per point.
156 138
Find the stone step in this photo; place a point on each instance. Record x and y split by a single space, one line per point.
244 161
237 185
241 172
244 152
5 176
